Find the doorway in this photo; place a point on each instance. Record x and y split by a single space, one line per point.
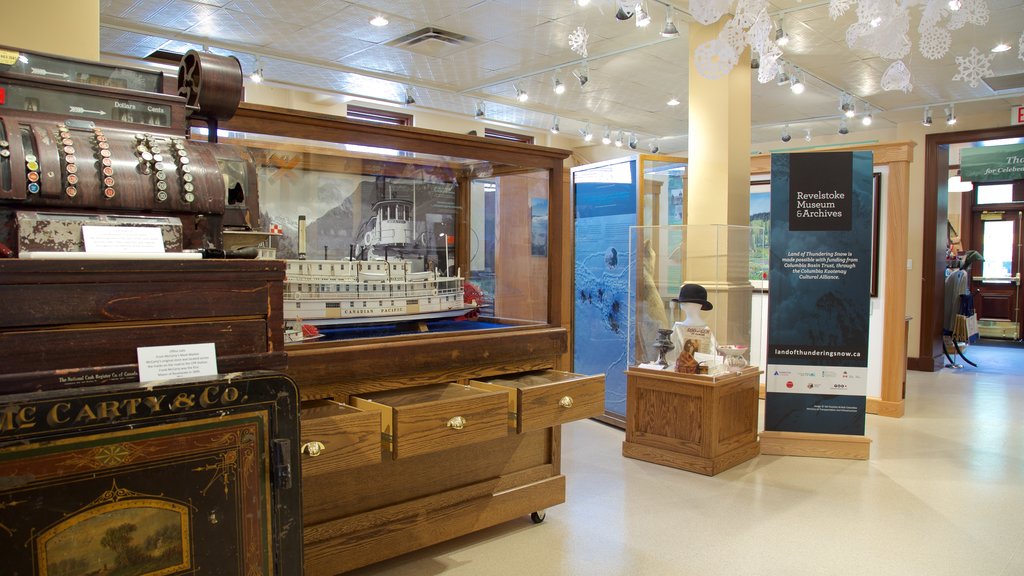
995 282
929 355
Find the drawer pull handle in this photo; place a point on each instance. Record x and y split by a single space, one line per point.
313 448
457 423
565 402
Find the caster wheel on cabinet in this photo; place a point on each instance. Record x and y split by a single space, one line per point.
538 517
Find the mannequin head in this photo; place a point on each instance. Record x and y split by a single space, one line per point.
693 314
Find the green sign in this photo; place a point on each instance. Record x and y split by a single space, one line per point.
992 163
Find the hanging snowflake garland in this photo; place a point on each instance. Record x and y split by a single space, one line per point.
934 42
897 77
714 59
837 8
708 12
974 67
1020 52
578 41
770 66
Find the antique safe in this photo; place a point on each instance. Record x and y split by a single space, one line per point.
172 477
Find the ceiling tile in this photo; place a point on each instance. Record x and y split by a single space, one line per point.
299 12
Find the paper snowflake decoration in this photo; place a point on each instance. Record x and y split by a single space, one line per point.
976 12
837 8
934 43
897 77
974 67
1020 52
733 35
759 35
708 12
748 11
770 66
578 41
714 59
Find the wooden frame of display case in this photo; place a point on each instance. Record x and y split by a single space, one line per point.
360 508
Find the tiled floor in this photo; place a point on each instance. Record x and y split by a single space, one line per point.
942 494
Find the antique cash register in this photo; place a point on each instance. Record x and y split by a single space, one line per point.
102 474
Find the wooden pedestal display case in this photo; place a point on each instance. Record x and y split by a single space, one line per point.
692 422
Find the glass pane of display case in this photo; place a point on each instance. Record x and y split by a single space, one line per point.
704 324
381 244
64 70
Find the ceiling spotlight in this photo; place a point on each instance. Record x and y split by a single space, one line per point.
582 3
843 128
618 140
954 5
632 141
587 134
480 112
554 125
521 94
409 99
643 16
559 88
950 115
781 38
607 138
755 60
876 22
653 147
257 74
582 74
781 79
670 30
927 120
796 85
785 134
379 20
673 101
807 134
1001 47
868 117
625 11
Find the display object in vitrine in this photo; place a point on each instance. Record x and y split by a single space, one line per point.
386 277
663 345
693 336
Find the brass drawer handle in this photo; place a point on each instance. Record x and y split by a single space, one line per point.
313 448
457 423
565 402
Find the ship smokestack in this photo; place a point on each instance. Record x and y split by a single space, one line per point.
302 238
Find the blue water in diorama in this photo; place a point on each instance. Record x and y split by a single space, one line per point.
601 300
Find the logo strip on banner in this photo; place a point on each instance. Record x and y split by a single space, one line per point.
819 292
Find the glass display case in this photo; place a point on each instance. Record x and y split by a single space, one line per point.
703 323
391 242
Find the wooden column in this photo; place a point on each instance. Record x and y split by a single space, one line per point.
719 190
58 27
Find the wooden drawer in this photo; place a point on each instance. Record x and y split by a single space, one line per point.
427 419
546 398
335 436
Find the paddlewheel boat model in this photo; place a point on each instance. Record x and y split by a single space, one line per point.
371 286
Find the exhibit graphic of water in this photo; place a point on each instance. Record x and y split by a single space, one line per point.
601 304
604 212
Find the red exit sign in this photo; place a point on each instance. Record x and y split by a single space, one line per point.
3 95
1017 115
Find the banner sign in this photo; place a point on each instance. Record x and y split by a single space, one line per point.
992 163
819 299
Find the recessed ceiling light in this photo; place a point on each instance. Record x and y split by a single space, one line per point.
379 20
673 102
1001 47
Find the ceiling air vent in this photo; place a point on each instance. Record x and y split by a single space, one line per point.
1005 82
432 41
